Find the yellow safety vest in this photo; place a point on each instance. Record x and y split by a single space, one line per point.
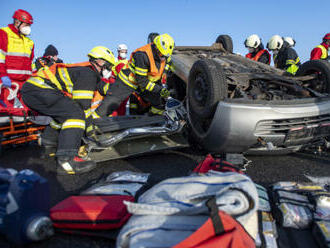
324 52
17 57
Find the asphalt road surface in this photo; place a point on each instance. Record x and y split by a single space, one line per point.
264 170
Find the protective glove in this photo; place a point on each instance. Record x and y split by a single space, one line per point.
6 81
93 131
164 93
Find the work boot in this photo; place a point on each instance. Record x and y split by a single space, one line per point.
75 165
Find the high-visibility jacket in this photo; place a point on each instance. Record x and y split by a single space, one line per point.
258 55
129 72
118 66
320 52
287 59
57 77
16 54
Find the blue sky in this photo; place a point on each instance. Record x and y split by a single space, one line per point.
76 26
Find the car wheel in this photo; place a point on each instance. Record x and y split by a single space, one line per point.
226 41
206 87
322 69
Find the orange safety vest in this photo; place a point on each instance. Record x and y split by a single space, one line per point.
49 72
258 55
53 68
153 74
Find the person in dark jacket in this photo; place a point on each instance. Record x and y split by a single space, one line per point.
285 57
144 72
256 50
50 57
51 52
65 93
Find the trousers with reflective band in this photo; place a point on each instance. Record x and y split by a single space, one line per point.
69 118
18 57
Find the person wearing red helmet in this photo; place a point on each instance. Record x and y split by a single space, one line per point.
321 51
16 50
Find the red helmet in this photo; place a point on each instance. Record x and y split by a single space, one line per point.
326 37
23 16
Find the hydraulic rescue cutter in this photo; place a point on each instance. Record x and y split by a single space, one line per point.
124 136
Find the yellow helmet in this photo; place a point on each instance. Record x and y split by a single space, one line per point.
101 52
165 44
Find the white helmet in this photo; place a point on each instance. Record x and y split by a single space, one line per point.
252 41
290 40
121 47
275 43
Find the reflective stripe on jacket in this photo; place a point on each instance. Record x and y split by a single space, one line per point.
293 65
119 65
324 52
258 55
153 73
16 56
59 76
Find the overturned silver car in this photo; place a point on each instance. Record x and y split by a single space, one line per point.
237 105
231 105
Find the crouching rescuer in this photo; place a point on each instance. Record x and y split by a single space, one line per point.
143 73
65 92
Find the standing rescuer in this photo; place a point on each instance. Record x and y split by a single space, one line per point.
122 53
256 50
285 57
121 59
321 51
65 94
16 50
144 71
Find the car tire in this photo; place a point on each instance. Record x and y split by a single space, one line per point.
317 66
206 87
226 42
